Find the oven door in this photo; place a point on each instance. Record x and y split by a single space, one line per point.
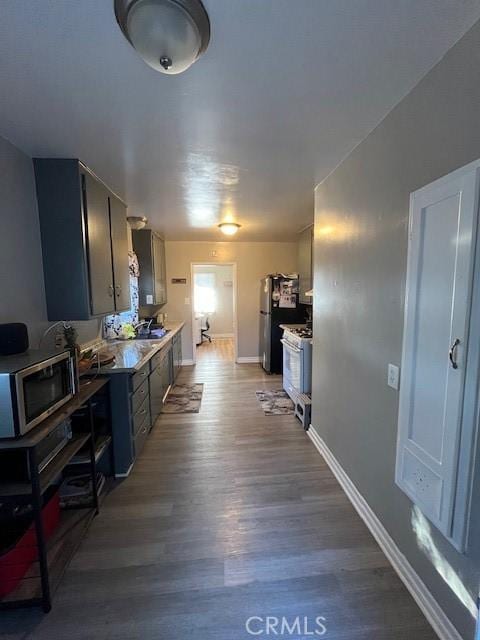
292 369
42 389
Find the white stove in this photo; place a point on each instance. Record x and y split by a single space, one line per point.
297 360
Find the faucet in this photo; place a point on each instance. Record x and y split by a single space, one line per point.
137 326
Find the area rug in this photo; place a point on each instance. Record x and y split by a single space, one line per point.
184 398
275 402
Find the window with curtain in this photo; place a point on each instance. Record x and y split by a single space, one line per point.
204 293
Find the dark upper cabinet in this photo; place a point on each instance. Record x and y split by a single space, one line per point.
305 263
121 275
150 250
159 269
84 242
99 255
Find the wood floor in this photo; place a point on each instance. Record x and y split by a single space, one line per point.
219 349
228 514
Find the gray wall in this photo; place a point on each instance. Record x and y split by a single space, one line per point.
253 259
22 294
361 214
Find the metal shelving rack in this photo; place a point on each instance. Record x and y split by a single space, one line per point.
32 491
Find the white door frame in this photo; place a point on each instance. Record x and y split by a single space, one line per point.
468 461
206 263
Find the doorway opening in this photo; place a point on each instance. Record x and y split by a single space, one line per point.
214 312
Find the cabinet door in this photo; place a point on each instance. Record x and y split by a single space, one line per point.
121 276
177 354
167 371
160 381
97 224
305 242
159 270
156 393
443 220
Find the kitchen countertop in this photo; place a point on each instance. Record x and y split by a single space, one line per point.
132 355
293 326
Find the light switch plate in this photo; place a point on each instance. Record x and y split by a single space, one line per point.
393 377
150 299
187 300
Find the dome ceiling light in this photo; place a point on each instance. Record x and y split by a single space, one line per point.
229 228
137 222
168 34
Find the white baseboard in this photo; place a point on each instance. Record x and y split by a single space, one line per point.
422 596
248 359
222 335
187 363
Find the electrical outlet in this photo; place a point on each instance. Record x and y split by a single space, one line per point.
187 300
149 299
393 376
58 340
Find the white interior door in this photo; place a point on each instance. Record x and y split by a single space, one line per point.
442 232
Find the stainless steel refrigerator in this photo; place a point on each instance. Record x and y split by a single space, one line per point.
278 305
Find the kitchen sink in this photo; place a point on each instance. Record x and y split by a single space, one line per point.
153 335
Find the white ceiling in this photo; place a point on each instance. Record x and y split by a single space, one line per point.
285 90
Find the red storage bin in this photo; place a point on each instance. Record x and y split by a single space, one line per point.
17 559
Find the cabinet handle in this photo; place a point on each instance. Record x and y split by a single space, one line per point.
452 354
143 412
144 430
110 290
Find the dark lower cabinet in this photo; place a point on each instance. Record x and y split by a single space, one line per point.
177 354
131 419
161 379
137 400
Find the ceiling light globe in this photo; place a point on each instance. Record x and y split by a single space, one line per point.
137 222
229 228
168 34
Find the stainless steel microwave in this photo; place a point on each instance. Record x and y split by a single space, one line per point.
32 386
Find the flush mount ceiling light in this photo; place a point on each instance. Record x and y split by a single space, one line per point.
168 34
229 228
137 222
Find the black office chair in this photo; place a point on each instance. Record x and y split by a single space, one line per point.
204 331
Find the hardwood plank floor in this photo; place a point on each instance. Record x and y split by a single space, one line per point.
228 514
219 349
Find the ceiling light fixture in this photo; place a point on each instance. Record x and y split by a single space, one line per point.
137 222
229 228
168 34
